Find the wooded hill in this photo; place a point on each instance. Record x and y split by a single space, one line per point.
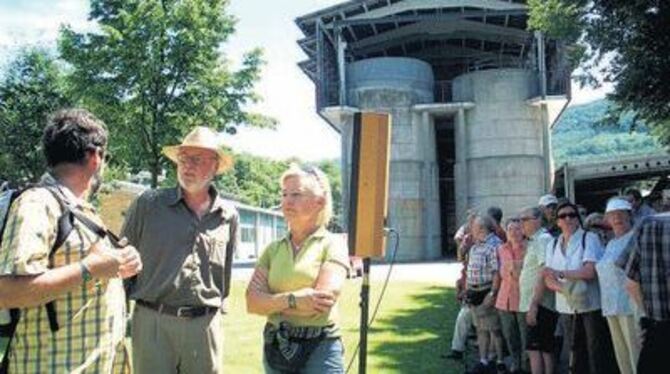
584 133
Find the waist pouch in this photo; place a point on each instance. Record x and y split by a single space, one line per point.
288 348
476 297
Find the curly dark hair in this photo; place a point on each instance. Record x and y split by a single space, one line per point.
70 134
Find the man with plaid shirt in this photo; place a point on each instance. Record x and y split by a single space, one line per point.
82 279
646 263
481 279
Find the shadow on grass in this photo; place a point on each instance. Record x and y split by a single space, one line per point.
411 338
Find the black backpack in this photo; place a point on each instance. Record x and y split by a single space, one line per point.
65 226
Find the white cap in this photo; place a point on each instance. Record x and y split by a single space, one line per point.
618 203
548 200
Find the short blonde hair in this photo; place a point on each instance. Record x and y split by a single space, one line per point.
316 182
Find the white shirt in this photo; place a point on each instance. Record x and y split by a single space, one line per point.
574 258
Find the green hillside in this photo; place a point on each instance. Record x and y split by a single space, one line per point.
581 135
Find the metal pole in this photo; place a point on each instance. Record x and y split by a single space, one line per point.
365 303
341 66
542 63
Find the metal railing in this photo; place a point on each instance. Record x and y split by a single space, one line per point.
443 91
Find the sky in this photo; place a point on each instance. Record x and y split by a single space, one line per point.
288 95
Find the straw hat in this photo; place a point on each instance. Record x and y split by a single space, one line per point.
204 138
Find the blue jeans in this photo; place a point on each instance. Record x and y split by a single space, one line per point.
327 358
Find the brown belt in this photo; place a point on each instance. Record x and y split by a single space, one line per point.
179 311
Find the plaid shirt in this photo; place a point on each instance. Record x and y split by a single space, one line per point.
91 318
649 264
483 261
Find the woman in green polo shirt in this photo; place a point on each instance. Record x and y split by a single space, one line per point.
298 279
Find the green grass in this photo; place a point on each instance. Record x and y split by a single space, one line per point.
413 327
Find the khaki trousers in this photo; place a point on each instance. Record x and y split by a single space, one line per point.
169 345
625 338
462 327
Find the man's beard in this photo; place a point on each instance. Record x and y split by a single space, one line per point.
194 186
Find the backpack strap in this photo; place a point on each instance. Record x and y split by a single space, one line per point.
583 240
7 331
554 246
65 227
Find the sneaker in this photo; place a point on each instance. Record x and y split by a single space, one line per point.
501 368
453 355
480 369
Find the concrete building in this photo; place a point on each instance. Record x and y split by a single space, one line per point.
258 228
472 95
592 183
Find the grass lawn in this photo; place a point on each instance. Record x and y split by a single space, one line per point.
413 327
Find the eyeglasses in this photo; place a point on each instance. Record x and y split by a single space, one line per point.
104 154
193 160
567 215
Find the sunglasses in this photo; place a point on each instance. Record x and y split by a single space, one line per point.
314 172
104 154
567 215
526 219
193 160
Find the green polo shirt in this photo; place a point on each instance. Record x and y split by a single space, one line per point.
287 273
186 260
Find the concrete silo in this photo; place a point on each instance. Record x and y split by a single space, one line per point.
504 138
394 85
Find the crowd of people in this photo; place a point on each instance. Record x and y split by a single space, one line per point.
551 290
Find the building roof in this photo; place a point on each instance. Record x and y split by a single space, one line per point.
449 34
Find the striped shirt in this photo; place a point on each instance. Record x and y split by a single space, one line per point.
91 319
649 263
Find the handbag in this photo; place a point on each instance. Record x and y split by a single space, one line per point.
576 294
476 297
288 348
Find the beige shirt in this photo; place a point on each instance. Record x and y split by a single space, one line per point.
187 261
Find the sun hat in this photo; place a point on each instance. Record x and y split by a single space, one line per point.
204 138
547 200
618 203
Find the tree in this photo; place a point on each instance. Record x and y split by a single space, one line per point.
32 89
154 69
624 42
333 170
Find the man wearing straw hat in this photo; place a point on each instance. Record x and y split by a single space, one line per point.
186 236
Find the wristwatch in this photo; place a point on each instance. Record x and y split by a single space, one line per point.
291 301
